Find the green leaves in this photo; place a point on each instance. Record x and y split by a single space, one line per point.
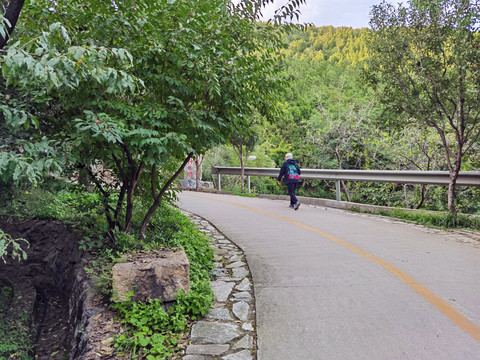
36 159
12 247
54 66
4 23
99 124
135 84
15 118
150 329
426 59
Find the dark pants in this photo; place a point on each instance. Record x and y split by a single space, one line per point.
291 191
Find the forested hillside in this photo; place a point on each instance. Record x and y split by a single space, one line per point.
341 46
332 118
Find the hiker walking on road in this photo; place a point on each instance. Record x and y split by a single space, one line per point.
291 173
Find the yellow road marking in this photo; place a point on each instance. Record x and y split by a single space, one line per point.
445 308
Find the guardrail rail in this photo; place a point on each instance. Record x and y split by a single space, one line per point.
465 178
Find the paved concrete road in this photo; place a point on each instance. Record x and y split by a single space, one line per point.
332 285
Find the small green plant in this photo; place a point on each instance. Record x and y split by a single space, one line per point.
151 332
100 269
196 303
154 333
16 252
127 242
88 243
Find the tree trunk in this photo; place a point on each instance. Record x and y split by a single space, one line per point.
451 193
345 190
422 195
198 170
242 171
105 195
132 184
158 199
11 11
342 183
129 208
118 208
453 182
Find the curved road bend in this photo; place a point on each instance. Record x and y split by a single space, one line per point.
332 285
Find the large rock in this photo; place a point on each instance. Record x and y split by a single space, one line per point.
155 276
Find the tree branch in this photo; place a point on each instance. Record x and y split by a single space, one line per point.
158 199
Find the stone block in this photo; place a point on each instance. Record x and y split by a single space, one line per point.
219 314
214 349
242 355
244 343
214 332
152 276
241 310
222 290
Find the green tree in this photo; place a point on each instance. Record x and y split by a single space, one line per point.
137 89
344 123
426 56
407 149
243 141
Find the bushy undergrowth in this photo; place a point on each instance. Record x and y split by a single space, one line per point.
151 333
59 200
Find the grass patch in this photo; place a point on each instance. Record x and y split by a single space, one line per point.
245 194
440 220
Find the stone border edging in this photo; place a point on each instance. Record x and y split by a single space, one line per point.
228 331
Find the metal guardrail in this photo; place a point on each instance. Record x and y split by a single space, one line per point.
465 178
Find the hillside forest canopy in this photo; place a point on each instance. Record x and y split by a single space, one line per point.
402 95
119 96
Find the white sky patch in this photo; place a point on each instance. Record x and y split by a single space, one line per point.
351 13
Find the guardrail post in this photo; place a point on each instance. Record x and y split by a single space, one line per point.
219 182
248 183
337 190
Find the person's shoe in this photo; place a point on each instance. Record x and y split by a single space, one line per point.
291 205
297 205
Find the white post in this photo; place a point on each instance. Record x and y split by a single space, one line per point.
219 182
248 182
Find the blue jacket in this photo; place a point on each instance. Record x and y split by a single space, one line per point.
290 171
